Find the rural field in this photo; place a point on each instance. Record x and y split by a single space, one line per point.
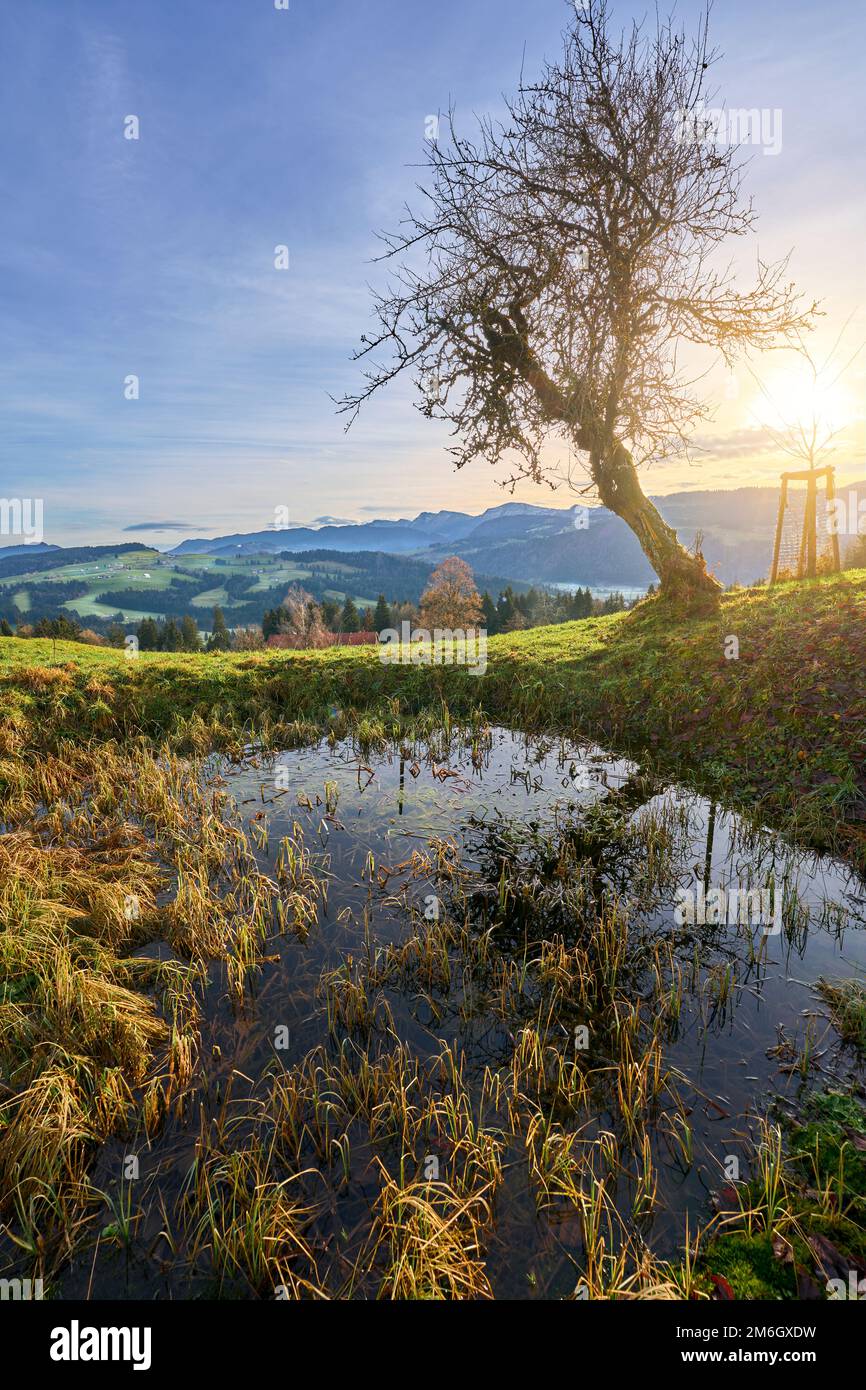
347 980
119 584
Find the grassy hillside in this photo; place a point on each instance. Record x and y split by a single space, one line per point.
781 729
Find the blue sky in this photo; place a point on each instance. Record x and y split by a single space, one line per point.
261 127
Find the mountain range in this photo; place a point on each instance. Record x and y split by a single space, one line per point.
543 544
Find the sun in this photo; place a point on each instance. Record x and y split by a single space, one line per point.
792 397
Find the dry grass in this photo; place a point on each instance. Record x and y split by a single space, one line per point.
537 944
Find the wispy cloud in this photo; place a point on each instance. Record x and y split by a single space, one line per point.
742 443
166 526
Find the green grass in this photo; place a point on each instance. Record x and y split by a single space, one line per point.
90 608
820 1197
847 1000
209 598
283 574
748 1265
141 577
359 601
827 1152
781 731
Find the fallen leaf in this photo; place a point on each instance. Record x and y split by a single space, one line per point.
723 1292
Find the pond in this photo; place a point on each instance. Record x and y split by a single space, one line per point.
530 911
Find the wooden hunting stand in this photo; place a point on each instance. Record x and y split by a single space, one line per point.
807 561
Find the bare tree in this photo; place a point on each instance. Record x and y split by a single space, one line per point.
561 260
300 617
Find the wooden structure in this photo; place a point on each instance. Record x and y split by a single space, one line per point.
807 559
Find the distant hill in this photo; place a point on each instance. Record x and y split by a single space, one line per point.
23 559
534 544
39 548
394 537
98 584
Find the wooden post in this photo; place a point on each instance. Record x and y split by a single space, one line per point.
801 553
774 573
811 523
807 559
831 494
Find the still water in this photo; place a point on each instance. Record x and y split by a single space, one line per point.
734 1051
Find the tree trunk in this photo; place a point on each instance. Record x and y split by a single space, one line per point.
683 575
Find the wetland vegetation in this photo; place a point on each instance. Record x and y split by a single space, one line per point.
328 979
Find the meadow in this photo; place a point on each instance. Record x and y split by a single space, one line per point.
329 978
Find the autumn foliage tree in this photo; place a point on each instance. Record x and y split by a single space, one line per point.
451 599
561 261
